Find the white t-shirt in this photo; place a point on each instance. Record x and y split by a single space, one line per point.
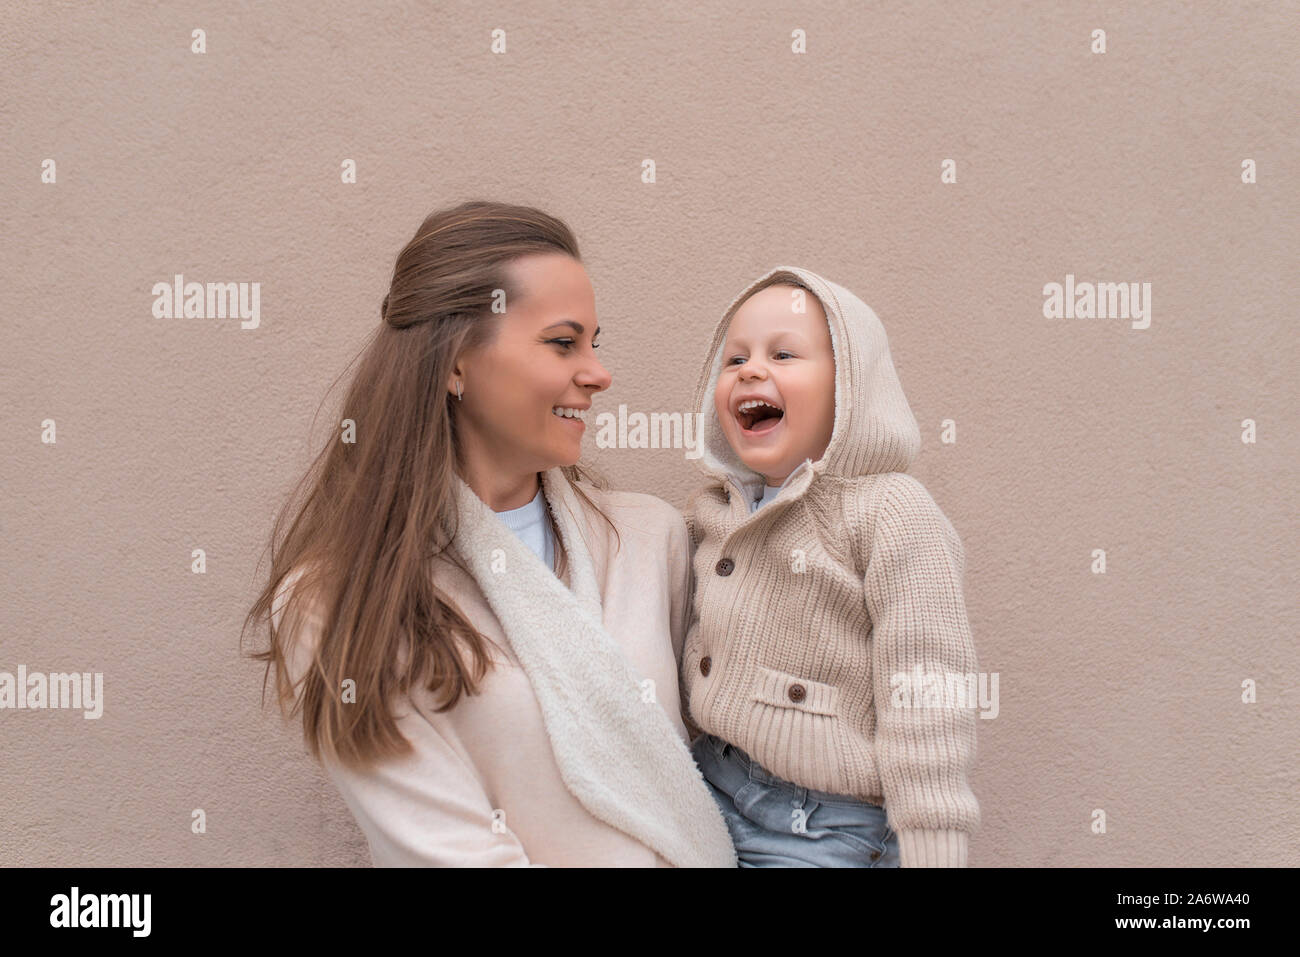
769 493
530 524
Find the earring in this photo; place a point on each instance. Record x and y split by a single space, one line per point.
458 395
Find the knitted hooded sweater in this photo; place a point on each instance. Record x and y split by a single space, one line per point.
808 613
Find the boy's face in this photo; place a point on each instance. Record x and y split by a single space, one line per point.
783 356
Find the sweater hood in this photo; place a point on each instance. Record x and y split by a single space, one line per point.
874 429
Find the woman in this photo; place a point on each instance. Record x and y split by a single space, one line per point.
482 644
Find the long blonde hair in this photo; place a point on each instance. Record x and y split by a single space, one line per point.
360 544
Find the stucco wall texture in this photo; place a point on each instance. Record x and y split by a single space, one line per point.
1120 692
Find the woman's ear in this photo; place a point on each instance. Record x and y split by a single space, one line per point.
456 380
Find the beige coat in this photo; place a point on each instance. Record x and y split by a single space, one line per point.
574 753
825 620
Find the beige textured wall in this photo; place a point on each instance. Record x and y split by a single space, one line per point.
1119 691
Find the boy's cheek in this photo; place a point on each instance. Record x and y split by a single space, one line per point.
721 411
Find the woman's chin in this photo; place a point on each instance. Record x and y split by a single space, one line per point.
565 457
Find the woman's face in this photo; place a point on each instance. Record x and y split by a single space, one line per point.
543 359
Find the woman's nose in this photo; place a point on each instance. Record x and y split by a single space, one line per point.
597 376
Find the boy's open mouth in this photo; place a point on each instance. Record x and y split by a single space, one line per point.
758 416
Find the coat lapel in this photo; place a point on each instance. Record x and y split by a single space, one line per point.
618 754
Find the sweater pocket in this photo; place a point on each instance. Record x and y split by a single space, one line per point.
782 690
797 730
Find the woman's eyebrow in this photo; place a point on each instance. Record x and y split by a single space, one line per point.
577 326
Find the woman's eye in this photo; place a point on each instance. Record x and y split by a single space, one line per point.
568 343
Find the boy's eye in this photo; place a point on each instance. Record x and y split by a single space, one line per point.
783 352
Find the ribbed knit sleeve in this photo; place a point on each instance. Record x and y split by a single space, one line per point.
924 749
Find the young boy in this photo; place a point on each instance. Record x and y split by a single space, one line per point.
827 583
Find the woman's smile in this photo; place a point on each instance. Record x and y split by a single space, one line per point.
575 416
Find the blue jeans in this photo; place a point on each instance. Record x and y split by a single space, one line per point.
776 823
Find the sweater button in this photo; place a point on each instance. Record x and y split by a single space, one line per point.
797 692
705 664
875 855
724 566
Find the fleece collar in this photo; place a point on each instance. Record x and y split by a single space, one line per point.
618 754
874 429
